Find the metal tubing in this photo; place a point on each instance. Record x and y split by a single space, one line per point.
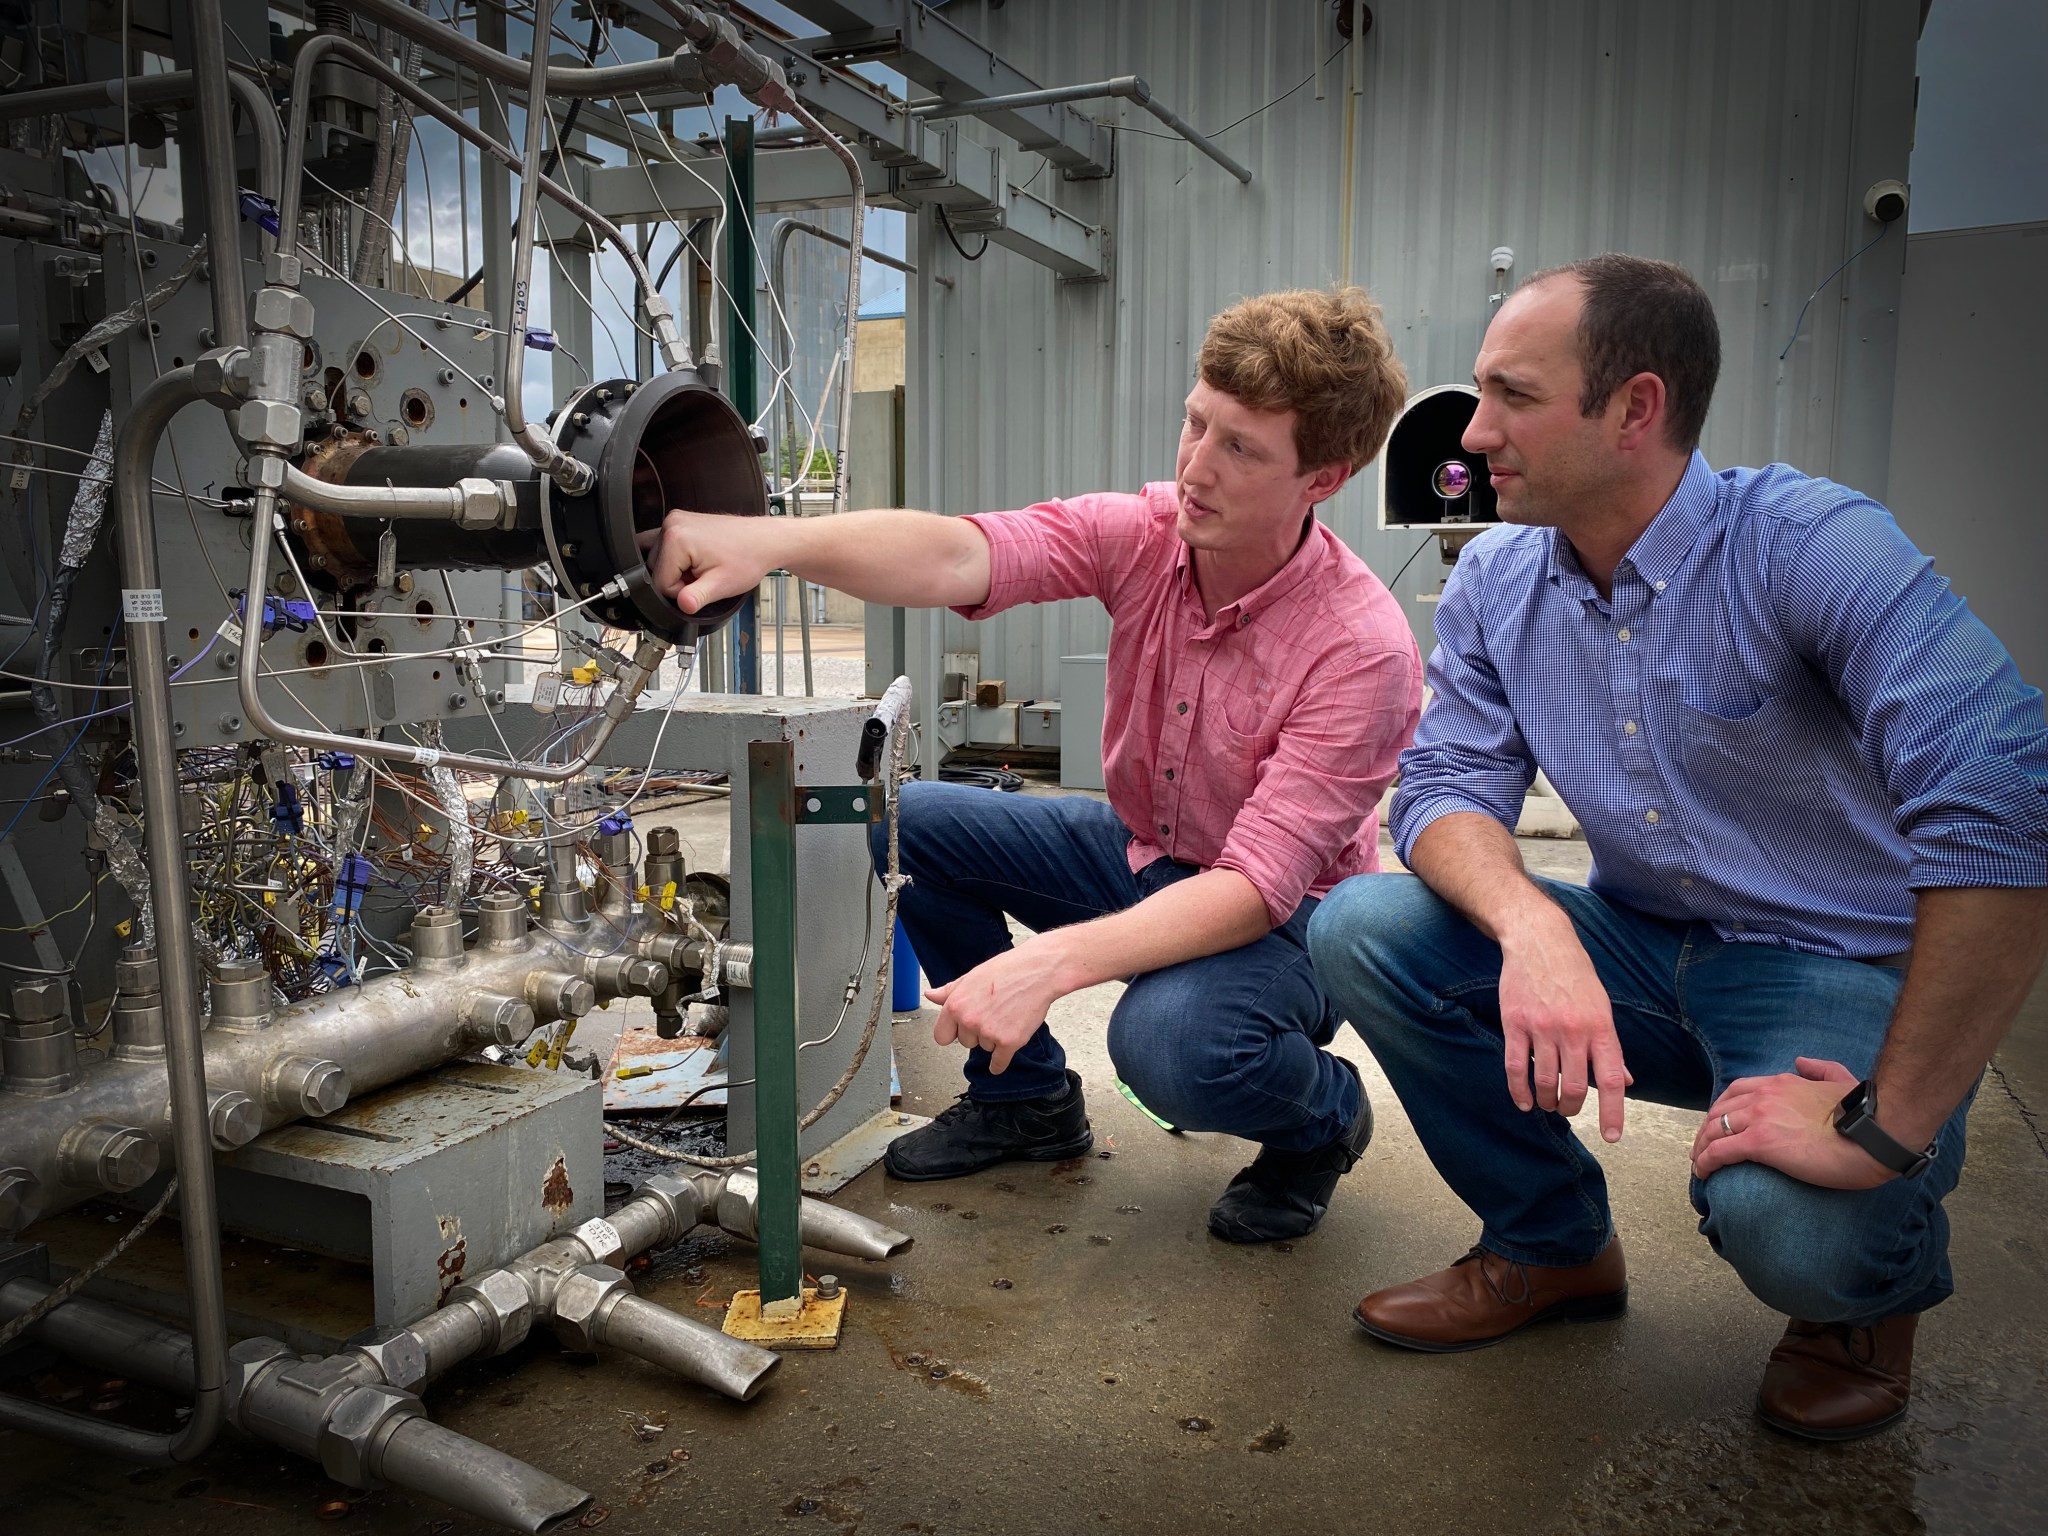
107 1338
217 145
377 1033
424 1457
571 474
1127 87
149 415
422 101
618 704
432 503
687 1348
678 70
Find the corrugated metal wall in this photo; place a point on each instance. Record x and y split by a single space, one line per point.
1736 138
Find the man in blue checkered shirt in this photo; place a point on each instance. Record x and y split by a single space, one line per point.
1816 792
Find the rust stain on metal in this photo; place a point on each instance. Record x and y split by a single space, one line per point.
556 1195
453 1257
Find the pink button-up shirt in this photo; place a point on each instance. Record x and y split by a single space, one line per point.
1259 740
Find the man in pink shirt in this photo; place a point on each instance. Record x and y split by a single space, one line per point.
1261 685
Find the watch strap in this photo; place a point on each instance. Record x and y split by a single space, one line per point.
1856 1118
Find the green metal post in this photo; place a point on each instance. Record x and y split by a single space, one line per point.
742 356
771 790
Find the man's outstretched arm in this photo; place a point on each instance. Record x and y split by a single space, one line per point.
906 559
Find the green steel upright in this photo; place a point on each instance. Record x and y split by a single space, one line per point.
742 355
772 821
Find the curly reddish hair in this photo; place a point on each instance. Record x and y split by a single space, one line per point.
1322 353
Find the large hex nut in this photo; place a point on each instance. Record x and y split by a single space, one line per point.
248 1362
682 1204
38 1002
20 1198
397 1354
503 1304
99 1154
504 1021
584 1298
282 310
483 503
268 424
352 1438
137 973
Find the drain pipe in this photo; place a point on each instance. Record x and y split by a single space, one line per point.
149 416
1126 87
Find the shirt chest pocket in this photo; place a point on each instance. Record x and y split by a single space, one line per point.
1230 758
1732 760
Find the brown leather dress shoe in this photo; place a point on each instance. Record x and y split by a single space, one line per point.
1828 1381
1483 1298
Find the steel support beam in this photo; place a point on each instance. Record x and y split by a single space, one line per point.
941 57
771 813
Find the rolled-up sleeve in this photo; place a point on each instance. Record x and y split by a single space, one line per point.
1469 754
1940 711
1080 546
1335 756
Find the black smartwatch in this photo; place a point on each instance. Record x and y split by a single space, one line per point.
1856 1118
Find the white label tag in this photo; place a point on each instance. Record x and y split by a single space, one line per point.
97 358
547 692
142 605
230 630
426 757
18 481
601 1238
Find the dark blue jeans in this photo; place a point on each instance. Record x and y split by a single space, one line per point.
1693 1012
1231 1042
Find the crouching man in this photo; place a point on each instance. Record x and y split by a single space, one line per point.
1261 685
1817 797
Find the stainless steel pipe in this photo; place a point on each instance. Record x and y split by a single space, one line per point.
687 1348
425 1457
1126 87
217 147
134 460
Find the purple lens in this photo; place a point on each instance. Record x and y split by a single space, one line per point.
1452 479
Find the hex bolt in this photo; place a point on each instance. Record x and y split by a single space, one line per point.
100 1154
38 1002
404 583
828 1287
359 403
136 973
232 1119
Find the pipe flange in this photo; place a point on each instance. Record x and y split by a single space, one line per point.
671 442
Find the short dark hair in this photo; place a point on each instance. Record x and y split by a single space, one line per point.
1644 316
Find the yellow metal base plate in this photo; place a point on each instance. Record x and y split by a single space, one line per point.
813 1326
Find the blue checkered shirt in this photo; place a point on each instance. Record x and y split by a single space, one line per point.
1782 723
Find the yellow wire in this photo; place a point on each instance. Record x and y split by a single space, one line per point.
34 927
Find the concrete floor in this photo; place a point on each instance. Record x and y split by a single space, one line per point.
1066 1349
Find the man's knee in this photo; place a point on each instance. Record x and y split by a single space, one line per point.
1367 938
1800 1249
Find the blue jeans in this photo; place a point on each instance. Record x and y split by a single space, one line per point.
1693 1013
1231 1042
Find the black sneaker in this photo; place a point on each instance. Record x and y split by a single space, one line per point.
1284 1194
975 1133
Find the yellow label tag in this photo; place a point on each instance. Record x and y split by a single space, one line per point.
585 674
124 927
668 897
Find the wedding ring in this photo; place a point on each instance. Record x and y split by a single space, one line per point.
1726 1128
